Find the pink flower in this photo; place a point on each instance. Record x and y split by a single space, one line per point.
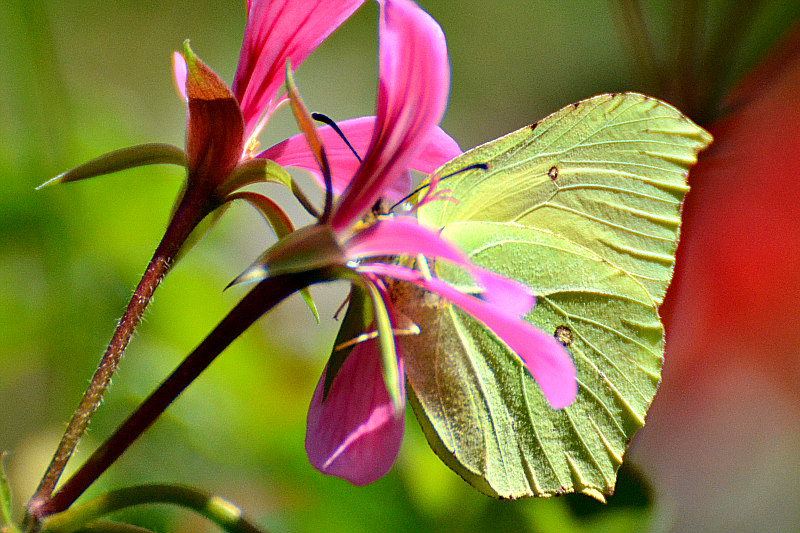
223 124
355 431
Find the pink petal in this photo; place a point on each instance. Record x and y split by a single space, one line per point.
412 94
179 72
544 357
404 236
278 30
294 152
355 433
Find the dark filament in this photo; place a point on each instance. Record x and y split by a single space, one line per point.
325 119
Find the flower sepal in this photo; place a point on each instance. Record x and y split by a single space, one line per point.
281 225
123 159
254 171
308 248
215 125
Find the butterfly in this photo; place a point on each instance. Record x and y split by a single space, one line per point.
584 207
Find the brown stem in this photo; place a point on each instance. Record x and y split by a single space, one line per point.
258 301
190 212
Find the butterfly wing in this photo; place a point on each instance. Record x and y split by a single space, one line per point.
584 207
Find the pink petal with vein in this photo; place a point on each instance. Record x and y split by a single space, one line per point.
414 81
294 152
404 236
543 356
355 433
278 30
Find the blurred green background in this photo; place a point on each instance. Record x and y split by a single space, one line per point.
79 78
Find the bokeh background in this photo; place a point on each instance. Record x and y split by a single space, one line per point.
80 77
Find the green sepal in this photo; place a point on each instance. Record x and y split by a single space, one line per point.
380 315
308 248
383 323
132 157
5 500
356 321
306 123
260 170
256 170
280 224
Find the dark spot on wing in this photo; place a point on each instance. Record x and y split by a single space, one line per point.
563 335
553 173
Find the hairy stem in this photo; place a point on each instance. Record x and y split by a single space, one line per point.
190 212
258 301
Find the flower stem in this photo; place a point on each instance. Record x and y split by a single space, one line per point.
192 209
258 301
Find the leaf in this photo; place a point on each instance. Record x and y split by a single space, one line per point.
584 207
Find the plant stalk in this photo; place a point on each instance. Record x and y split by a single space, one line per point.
258 301
192 209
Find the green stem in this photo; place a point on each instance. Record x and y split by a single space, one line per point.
193 208
258 301
223 513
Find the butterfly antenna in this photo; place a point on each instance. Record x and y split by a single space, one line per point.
474 166
325 119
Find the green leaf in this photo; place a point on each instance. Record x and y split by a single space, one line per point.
132 157
584 207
